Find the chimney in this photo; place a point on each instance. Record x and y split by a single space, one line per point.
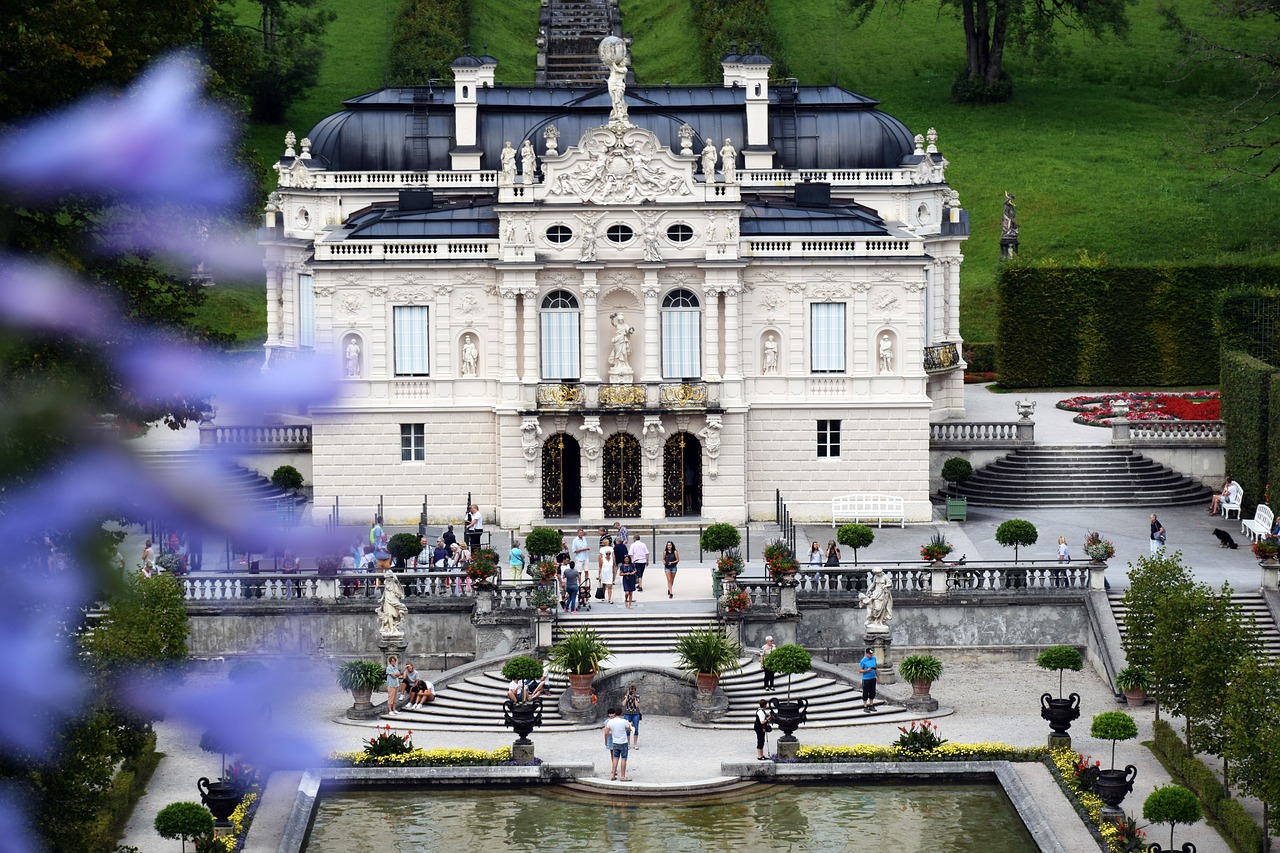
469 74
754 68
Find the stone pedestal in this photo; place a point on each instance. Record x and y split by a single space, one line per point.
709 707
522 753
788 748
938 578
1057 741
787 598
1270 573
1098 575
392 644
543 631
883 645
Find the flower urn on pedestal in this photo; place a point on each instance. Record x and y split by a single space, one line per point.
219 798
1060 712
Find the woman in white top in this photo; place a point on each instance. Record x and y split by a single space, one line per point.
606 568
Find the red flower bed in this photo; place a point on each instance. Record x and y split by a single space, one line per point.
1096 409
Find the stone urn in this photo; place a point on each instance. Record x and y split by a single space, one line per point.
789 715
1111 786
363 698
707 683
220 798
522 718
1060 713
580 685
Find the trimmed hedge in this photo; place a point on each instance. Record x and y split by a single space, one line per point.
981 357
428 36
1241 829
1273 443
128 786
1248 319
723 23
1246 415
1096 325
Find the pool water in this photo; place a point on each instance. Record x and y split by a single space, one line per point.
938 818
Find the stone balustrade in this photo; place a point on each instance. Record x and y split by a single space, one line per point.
280 587
832 246
981 433
381 250
265 438
1173 432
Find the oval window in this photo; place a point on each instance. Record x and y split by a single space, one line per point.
680 233
559 234
620 233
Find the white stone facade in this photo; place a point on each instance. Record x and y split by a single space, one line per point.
618 223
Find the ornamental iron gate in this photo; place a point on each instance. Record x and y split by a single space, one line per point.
561 477
622 476
682 475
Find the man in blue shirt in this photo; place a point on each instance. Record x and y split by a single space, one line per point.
867 666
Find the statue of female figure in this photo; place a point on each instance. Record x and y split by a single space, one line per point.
613 53
392 609
353 359
621 354
508 164
771 354
878 599
709 161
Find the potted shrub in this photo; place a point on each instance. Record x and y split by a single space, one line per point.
955 471
720 537
705 654
361 677
1112 785
1099 550
788 659
286 478
544 571
736 601
544 600
328 565
921 671
855 536
1060 712
1266 549
184 820
1172 804
542 542
578 656
781 562
483 567
936 549
728 567
1133 681
404 547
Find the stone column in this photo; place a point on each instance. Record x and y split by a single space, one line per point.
732 331
590 317
883 645
275 303
532 368
787 599
711 355
937 578
652 368
510 371
444 339
1098 575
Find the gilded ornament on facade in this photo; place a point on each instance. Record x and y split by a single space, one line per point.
622 395
684 395
560 395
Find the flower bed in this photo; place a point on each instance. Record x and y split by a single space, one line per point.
233 841
1096 409
949 751
1072 772
500 757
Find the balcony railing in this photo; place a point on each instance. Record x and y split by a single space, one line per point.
940 357
684 395
561 396
621 396
573 396
264 438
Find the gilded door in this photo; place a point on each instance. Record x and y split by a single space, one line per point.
561 477
622 476
682 475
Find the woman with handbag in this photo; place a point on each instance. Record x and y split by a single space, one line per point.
763 723
606 571
631 713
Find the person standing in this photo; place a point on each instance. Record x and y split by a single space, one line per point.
769 675
640 557
616 731
376 534
867 666
761 724
475 526
631 713
605 575
1157 535
1064 552
621 536
581 551
515 560
628 572
572 586
815 554
393 685
670 563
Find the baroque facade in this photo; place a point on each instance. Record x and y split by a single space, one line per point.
618 302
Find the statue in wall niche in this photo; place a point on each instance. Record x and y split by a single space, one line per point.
770 354
878 599
392 609
886 354
470 356
729 161
613 53
650 236
353 358
620 355
528 162
709 161
508 164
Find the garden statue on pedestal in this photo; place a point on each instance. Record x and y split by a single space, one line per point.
878 599
392 609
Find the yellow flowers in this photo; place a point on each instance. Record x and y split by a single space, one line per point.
426 758
948 751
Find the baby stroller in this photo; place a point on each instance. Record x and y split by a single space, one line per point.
584 597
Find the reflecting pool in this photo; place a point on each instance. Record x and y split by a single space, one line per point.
937 817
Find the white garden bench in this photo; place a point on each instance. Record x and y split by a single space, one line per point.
1226 507
866 507
1260 525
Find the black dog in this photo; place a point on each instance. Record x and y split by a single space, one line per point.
1224 539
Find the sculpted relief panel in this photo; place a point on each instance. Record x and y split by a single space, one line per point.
617 165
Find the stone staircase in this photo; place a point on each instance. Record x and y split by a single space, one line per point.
632 632
244 486
573 32
1251 604
1080 476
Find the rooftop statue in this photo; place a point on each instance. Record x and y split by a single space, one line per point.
613 53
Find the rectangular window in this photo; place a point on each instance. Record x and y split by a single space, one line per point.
413 442
681 343
412 340
306 312
828 438
827 336
560 345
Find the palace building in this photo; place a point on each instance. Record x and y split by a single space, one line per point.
619 301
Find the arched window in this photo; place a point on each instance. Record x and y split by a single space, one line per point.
681 335
561 340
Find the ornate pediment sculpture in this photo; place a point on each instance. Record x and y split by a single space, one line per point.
617 164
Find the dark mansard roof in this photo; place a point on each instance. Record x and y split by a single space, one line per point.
411 128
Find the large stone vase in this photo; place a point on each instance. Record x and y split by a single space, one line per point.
1111 786
789 715
219 798
1060 713
522 717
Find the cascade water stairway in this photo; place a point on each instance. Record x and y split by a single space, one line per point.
574 31
1080 476
1251 604
474 703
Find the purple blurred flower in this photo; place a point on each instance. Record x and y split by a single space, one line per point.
155 143
173 234
250 716
14 828
45 298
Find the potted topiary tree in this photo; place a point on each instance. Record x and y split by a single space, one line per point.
184 820
705 654
1172 804
1133 681
361 677
788 659
579 656
542 542
1112 785
1016 532
955 471
522 716
286 478
855 536
720 537
921 671
404 547
1060 712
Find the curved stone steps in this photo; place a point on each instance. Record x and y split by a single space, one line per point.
721 789
831 702
475 705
